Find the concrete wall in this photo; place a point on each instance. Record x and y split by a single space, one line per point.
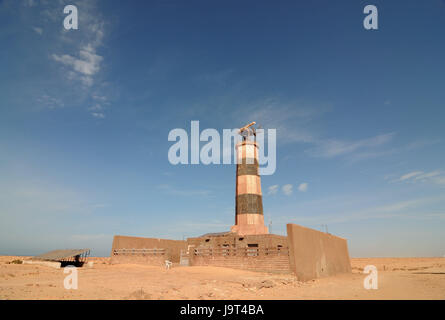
237 241
273 264
139 259
272 255
314 254
173 249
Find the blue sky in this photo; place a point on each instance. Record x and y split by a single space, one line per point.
85 115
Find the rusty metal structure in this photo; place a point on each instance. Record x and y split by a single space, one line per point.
76 257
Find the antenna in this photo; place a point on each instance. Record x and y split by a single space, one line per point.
248 130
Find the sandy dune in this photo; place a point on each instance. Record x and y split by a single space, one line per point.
398 278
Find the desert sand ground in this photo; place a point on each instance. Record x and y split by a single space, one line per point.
398 278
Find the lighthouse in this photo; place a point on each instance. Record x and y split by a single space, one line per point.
249 218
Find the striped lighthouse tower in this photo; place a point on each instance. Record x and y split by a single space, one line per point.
249 217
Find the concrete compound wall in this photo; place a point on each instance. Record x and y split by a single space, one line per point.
173 249
308 253
314 254
274 264
139 259
237 241
272 255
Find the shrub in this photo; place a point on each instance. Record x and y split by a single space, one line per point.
16 261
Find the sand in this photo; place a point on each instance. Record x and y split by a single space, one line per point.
398 278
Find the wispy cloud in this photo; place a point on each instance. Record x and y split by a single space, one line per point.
38 30
84 67
333 147
435 177
428 175
272 189
420 143
410 175
79 57
99 115
370 153
84 63
410 209
50 102
294 123
74 58
287 189
303 187
291 118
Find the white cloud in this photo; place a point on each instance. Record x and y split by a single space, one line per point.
38 30
401 205
99 115
428 175
422 143
287 189
80 59
410 175
290 119
272 189
435 177
293 123
373 153
303 187
334 147
96 107
100 98
84 67
50 102
87 63
408 209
